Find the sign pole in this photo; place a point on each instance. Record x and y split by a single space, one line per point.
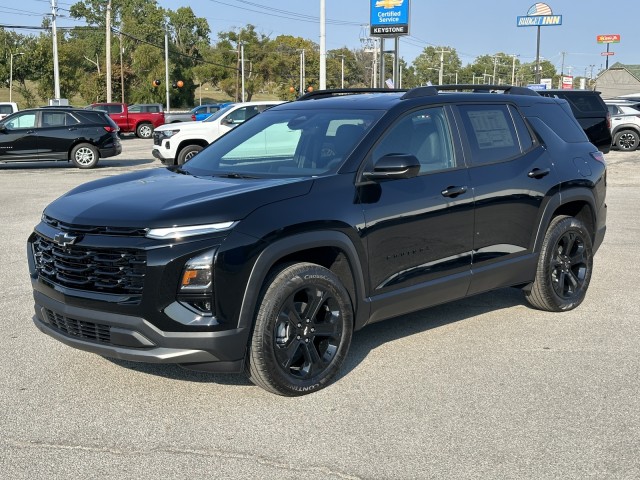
607 65
538 73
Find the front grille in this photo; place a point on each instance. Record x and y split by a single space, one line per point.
94 230
96 332
90 269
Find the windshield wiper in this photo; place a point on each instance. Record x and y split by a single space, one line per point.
233 175
179 170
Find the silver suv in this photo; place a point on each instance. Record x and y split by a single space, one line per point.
625 124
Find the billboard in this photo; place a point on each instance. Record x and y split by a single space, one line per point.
615 38
539 15
389 18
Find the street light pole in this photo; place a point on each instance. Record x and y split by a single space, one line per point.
11 72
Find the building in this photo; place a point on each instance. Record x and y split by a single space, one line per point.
619 80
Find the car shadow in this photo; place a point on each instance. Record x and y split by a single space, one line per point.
110 162
365 340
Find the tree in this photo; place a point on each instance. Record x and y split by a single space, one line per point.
427 65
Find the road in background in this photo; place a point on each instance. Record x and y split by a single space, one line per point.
482 388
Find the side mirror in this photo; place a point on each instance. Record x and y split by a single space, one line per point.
227 121
3 127
394 166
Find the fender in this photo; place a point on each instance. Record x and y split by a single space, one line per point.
626 126
556 201
275 251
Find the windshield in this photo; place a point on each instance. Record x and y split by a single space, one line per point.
218 114
286 143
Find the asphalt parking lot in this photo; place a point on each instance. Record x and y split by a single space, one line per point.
482 388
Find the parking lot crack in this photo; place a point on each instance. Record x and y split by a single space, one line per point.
314 470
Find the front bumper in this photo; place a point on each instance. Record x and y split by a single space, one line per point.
132 338
158 154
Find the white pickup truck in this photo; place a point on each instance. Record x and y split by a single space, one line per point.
7 108
174 144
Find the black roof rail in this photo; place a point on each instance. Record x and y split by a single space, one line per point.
336 92
418 92
507 89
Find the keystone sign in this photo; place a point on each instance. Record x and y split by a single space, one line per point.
389 18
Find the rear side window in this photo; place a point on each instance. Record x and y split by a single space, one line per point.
491 133
57 119
560 120
583 104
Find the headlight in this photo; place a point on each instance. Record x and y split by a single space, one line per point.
167 133
197 275
188 231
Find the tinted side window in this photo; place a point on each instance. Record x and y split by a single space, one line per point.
491 133
57 119
24 120
423 133
114 108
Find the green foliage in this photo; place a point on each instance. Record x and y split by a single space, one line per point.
272 66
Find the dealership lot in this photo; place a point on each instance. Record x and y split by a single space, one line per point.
481 388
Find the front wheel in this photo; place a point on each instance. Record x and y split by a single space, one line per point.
627 140
564 267
302 331
85 155
144 130
188 152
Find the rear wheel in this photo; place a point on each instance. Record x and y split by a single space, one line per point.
302 331
144 130
627 140
85 155
188 152
564 266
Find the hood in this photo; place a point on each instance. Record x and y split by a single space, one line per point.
191 127
161 198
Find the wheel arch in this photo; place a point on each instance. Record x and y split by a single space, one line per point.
330 249
188 142
578 203
625 126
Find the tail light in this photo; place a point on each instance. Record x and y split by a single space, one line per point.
609 120
599 157
193 117
110 129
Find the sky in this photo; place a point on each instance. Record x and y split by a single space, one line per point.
472 27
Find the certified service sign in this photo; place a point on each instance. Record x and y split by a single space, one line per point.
389 18
540 15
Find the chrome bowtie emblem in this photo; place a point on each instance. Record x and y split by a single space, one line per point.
63 239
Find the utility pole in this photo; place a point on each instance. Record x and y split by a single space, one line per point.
323 45
166 64
302 72
342 71
242 65
108 48
513 69
121 71
441 73
56 69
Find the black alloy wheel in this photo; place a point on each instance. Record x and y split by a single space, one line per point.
627 140
564 266
303 331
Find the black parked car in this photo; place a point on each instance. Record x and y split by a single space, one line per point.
58 134
267 250
591 112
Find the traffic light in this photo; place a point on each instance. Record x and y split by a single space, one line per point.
156 83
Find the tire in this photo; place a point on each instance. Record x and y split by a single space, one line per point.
188 152
564 267
144 130
627 140
85 155
302 331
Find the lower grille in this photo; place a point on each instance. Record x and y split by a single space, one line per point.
77 328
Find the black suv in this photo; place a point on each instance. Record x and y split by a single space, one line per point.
267 250
591 112
58 134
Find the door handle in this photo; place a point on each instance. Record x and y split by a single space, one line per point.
31 131
539 173
454 191
71 129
